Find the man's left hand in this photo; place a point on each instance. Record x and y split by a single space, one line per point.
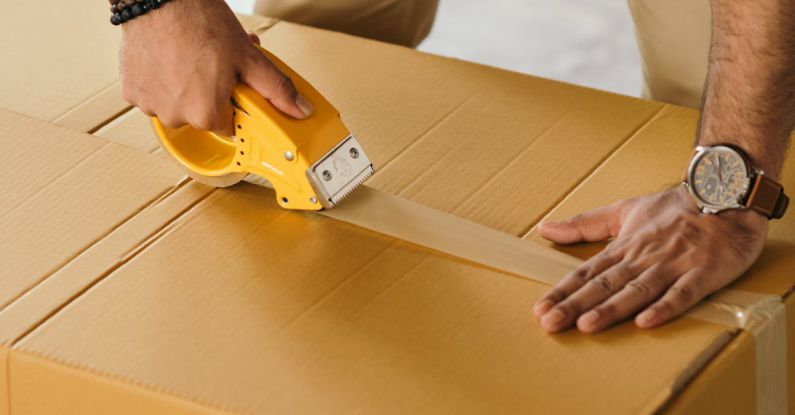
666 256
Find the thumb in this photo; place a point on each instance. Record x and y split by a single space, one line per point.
262 75
595 225
254 39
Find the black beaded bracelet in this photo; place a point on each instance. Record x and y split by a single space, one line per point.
123 12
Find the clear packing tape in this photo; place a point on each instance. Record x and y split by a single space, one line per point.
763 316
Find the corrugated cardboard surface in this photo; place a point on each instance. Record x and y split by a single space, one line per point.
218 299
76 391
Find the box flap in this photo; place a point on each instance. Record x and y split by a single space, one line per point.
61 64
248 306
63 195
66 194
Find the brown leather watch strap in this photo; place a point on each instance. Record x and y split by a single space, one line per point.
767 197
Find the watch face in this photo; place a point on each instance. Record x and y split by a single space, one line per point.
720 177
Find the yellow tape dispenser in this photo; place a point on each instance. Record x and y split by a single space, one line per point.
311 163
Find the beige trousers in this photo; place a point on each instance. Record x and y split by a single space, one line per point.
405 22
674 41
673 35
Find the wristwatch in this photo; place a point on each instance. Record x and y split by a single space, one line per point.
721 177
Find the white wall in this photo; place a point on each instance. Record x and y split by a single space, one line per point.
585 42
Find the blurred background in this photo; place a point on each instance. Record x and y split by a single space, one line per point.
584 42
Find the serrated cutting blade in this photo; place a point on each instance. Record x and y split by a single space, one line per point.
340 171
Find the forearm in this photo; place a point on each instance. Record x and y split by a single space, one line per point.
749 98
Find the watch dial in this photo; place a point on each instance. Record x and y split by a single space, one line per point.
720 177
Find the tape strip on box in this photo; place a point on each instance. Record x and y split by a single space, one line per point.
763 316
444 232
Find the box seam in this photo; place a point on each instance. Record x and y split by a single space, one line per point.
425 133
90 245
105 376
678 386
130 254
7 375
105 89
525 233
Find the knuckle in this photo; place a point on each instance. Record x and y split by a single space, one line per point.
641 287
682 294
582 274
170 120
128 93
575 219
604 283
628 270
203 121
285 86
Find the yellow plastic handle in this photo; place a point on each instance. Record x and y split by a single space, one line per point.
267 143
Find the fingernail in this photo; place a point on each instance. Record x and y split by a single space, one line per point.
590 318
304 105
552 318
647 317
542 307
547 225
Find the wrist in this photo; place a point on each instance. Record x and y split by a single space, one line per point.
123 11
759 156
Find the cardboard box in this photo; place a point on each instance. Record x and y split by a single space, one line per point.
74 205
60 61
210 300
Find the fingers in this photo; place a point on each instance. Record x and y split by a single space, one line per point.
686 292
203 106
224 120
594 292
595 225
262 75
255 38
211 110
575 280
637 293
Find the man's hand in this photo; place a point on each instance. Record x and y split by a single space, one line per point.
666 256
182 61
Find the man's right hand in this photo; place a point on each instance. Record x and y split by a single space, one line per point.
182 61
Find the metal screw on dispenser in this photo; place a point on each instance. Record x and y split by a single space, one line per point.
289 156
326 175
354 153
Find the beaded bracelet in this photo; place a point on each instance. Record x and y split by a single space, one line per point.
123 11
